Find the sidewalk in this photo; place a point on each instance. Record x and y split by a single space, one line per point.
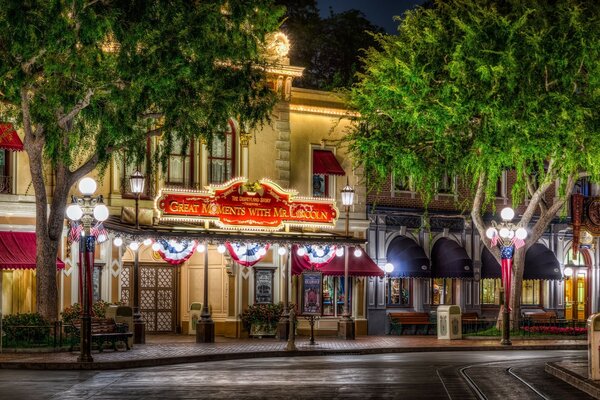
178 349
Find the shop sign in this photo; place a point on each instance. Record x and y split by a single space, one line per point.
237 204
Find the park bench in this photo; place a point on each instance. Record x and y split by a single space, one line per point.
106 330
399 320
469 316
540 318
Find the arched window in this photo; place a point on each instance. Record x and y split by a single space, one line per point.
221 156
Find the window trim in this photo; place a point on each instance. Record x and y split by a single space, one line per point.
183 184
209 157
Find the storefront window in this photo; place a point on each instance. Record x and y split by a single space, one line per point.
490 291
333 295
221 156
442 291
398 292
531 292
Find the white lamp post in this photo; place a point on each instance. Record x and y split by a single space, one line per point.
346 328
508 237
87 209
388 268
136 185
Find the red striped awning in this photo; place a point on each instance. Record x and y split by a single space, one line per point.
18 251
325 163
9 139
357 266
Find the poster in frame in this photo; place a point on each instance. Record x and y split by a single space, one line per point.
312 282
263 285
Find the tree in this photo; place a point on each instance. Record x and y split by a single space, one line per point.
473 88
328 48
86 79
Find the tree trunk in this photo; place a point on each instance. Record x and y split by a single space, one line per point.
516 287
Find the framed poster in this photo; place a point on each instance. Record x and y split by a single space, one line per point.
312 283
263 286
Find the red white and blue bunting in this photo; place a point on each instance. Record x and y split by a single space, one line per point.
317 256
247 254
176 252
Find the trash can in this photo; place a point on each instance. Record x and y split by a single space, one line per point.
122 315
593 328
449 325
195 311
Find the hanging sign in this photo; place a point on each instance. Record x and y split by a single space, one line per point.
237 204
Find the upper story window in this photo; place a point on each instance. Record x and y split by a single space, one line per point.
221 156
447 185
583 186
325 168
181 165
401 184
5 181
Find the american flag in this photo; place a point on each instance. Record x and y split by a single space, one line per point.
494 240
100 232
74 232
518 243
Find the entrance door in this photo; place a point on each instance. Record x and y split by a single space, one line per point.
576 295
158 288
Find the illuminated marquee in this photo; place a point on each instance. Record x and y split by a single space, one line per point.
237 204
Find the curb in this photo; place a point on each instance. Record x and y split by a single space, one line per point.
574 379
153 362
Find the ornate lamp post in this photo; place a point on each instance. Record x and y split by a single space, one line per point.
205 329
387 269
283 325
346 324
508 237
87 209
136 185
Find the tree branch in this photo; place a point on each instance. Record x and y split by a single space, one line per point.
542 223
62 122
26 67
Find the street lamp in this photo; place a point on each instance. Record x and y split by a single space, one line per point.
136 184
347 324
87 209
508 237
388 268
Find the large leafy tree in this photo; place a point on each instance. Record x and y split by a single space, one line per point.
85 79
473 88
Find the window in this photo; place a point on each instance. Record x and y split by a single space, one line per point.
398 292
442 291
320 185
401 184
583 186
501 185
490 291
333 295
531 292
5 181
181 166
447 185
221 156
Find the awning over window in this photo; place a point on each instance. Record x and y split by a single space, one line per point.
450 260
540 263
17 251
9 139
408 258
325 163
357 266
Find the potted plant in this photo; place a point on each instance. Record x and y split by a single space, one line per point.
261 319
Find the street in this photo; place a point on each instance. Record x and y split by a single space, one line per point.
439 375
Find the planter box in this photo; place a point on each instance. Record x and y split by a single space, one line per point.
263 330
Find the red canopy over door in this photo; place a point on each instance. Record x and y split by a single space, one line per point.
18 250
9 139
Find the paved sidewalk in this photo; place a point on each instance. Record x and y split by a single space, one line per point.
177 349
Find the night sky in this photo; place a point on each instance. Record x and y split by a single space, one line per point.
379 12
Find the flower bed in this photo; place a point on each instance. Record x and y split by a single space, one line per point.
556 330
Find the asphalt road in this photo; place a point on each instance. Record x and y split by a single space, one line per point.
441 375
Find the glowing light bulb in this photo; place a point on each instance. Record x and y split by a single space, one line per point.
147 242
521 233
134 246
388 268
339 251
156 246
281 250
301 251
357 252
504 233
221 248
201 248
507 213
118 241
491 232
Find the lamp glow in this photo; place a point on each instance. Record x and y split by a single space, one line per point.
357 252
504 232
388 268
136 182
87 186
262 251
74 212
521 233
147 242
118 241
568 272
281 250
102 238
221 249
155 246
134 246
320 252
491 232
347 195
100 212
507 214
301 251
201 248
339 251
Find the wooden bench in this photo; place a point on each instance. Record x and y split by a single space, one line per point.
106 330
546 317
469 317
399 320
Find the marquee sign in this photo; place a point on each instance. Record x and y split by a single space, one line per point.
238 204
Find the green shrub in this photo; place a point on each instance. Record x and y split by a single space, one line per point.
261 315
25 328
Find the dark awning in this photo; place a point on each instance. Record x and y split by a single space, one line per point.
540 263
325 163
450 260
9 139
18 251
408 258
357 266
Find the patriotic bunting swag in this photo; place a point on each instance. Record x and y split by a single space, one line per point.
247 254
176 252
318 256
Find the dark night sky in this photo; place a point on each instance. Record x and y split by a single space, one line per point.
379 12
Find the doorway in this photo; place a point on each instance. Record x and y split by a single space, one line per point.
576 275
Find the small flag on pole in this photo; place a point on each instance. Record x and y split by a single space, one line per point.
518 242
74 232
494 240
